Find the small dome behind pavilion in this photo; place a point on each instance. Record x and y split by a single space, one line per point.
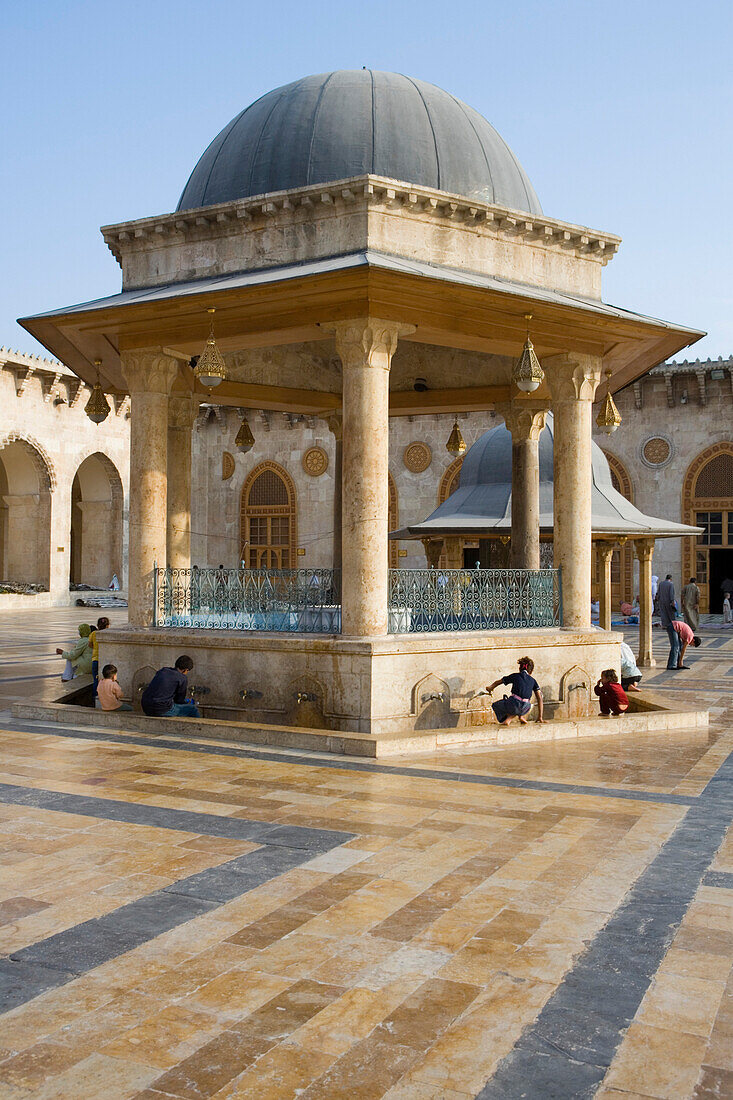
482 503
332 126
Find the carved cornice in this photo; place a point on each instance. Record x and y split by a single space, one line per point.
368 192
149 370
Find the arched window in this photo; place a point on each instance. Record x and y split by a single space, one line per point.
393 523
450 480
268 519
707 502
622 562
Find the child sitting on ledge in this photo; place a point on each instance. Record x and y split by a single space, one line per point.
109 691
611 695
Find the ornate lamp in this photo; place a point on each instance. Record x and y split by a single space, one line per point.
97 407
609 417
527 373
210 369
244 440
456 444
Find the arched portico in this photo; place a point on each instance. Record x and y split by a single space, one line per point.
26 483
96 522
707 502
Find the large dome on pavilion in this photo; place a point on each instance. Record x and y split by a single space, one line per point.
333 126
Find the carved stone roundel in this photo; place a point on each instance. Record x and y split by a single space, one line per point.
315 461
227 466
417 457
656 451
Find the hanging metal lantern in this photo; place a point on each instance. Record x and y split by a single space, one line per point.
609 417
210 369
456 444
527 373
244 440
97 407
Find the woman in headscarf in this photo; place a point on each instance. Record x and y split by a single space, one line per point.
81 654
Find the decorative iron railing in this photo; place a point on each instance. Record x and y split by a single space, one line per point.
304 601
431 600
308 601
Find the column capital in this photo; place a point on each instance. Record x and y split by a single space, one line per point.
335 422
524 419
644 549
367 341
572 377
605 548
149 370
182 410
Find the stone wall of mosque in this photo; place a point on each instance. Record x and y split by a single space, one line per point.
671 417
63 483
64 480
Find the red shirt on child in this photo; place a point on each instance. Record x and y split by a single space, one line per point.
613 696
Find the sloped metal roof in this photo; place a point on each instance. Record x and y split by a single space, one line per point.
482 504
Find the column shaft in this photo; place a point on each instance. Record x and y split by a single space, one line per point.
644 549
365 347
573 385
181 414
605 557
149 376
525 421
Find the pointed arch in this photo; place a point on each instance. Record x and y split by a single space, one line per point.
27 481
268 518
707 501
96 526
450 480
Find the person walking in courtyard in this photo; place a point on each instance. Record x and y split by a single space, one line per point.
518 704
691 604
683 637
668 614
109 691
727 617
166 696
80 655
611 696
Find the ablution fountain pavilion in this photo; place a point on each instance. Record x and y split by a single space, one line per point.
380 231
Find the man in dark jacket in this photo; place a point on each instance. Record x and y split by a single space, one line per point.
166 694
668 614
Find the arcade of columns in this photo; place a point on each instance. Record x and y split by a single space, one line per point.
160 475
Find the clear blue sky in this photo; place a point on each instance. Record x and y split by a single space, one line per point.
620 112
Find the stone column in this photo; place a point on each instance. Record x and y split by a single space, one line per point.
644 550
149 374
335 426
182 410
605 556
573 384
453 552
365 347
525 422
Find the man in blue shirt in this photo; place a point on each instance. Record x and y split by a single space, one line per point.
166 694
518 704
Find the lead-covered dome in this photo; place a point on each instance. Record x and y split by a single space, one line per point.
332 126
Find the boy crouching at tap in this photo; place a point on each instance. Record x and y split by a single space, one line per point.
109 691
611 695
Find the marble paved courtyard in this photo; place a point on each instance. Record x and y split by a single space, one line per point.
198 920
